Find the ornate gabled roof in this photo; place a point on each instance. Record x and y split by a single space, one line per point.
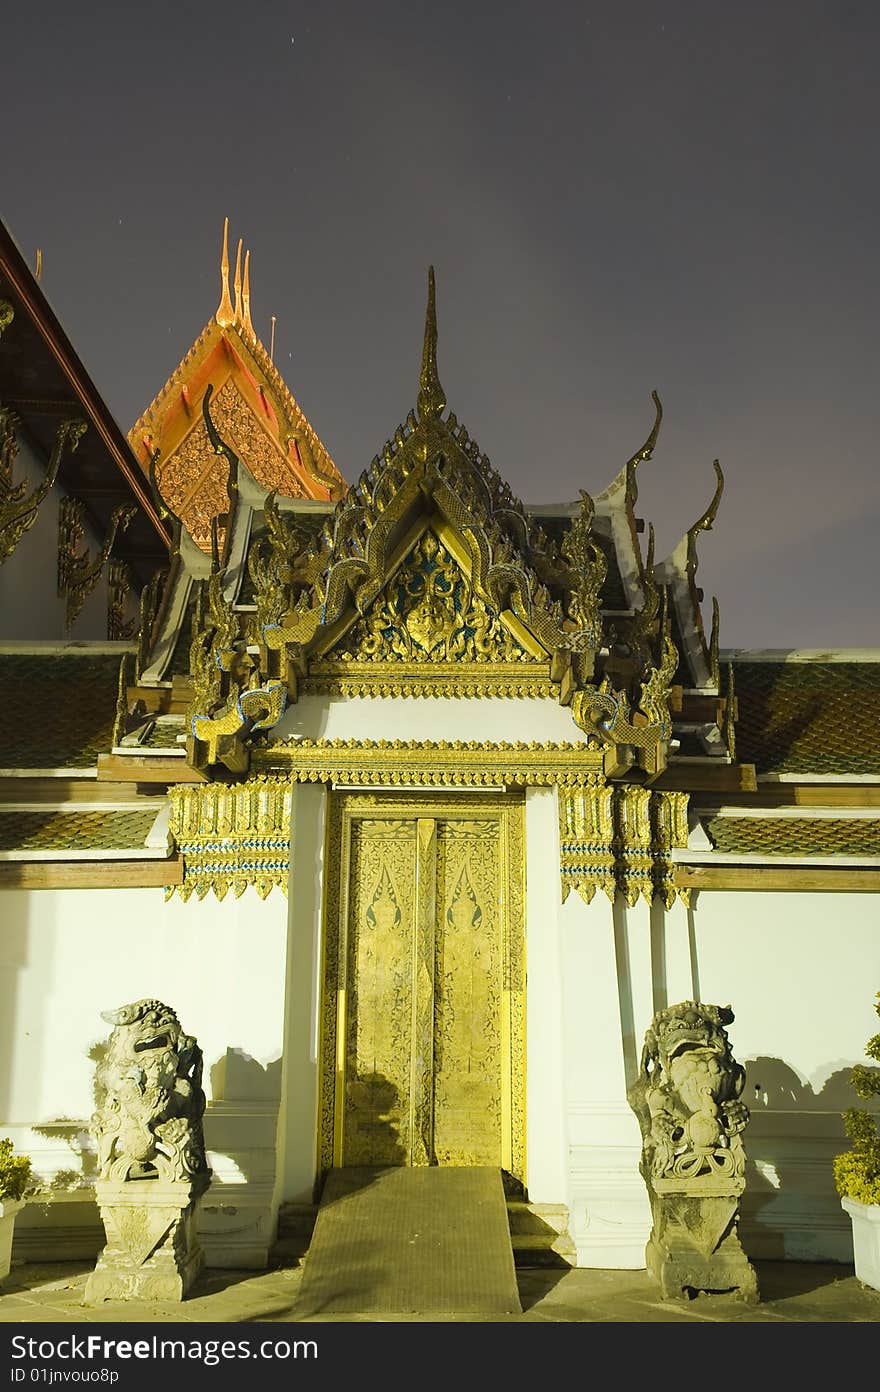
429 563
48 399
252 408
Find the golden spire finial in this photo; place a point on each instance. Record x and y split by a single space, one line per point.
272 339
224 315
237 283
432 398
246 297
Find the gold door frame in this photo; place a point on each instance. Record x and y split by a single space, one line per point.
424 810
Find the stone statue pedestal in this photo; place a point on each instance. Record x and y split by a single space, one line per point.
152 1252
694 1245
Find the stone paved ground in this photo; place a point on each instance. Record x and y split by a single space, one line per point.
792 1292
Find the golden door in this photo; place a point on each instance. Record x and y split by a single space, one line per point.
423 1019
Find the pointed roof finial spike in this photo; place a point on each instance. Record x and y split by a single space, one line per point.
237 283
432 398
246 296
224 315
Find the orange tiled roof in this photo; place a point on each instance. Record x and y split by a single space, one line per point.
253 410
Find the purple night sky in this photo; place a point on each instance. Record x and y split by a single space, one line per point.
616 197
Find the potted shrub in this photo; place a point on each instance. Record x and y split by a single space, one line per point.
857 1170
15 1183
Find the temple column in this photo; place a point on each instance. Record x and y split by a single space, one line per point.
608 999
298 1118
547 1142
621 964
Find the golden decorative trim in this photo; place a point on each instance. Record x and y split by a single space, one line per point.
428 763
428 613
232 836
618 839
18 508
78 571
452 679
119 629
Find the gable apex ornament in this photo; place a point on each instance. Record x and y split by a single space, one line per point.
432 398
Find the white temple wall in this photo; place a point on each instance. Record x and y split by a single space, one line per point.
546 1120
607 1004
31 609
800 972
67 955
490 718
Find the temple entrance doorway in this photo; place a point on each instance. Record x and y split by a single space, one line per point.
423 1018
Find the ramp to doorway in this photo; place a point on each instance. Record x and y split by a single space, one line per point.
423 1240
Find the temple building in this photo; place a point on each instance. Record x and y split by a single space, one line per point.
415 801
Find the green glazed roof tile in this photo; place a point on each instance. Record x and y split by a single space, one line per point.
59 708
74 831
809 717
795 836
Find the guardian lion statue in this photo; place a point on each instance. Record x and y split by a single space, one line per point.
687 1100
150 1103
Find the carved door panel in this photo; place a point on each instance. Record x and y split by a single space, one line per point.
468 1074
423 1010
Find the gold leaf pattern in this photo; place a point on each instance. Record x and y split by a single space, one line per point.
429 613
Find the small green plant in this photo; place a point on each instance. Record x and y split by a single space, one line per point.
15 1173
857 1171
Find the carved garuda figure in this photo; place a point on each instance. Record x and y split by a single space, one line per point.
687 1100
148 1123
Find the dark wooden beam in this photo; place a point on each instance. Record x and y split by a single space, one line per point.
85 790
146 768
806 795
707 777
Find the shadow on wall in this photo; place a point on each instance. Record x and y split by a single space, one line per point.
241 1119
791 1208
76 1135
237 1076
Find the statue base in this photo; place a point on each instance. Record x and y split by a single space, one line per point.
152 1252
694 1246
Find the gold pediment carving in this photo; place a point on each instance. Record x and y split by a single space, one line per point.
428 613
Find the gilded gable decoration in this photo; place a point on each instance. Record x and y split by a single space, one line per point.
231 836
18 507
431 615
620 839
78 571
119 628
